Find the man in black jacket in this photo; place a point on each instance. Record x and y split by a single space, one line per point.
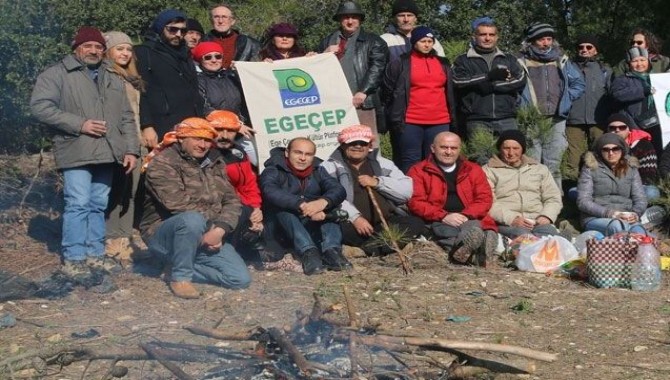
236 46
363 57
488 81
165 65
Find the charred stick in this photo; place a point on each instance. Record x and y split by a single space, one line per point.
293 353
178 372
225 335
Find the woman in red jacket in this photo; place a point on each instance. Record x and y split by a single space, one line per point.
418 96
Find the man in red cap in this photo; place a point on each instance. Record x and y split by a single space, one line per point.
365 175
94 127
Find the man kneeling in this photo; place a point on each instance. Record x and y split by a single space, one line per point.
190 207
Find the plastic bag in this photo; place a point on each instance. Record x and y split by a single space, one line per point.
545 254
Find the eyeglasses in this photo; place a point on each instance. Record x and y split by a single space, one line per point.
585 47
617 128
358 143
637 42
175 30
614 149
210 57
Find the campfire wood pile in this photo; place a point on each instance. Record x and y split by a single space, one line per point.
316 346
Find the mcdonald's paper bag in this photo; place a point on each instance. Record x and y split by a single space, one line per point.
545 254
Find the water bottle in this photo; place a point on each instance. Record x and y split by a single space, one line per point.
646 273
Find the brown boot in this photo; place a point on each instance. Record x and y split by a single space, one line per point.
184 289
113 247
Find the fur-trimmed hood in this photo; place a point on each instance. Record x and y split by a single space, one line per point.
591 161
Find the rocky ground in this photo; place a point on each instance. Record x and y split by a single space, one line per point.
596 333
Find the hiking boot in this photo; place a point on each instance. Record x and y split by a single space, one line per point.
472 241
333 259
286 264
488 249
77 270
103 264
311 262
184 289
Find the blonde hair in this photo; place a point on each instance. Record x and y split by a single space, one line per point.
129 73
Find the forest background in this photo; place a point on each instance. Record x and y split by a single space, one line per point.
37 33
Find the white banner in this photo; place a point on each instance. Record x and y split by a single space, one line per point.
661 83
298 97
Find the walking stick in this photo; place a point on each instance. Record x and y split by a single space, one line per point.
406 267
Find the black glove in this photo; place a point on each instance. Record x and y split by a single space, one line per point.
498 73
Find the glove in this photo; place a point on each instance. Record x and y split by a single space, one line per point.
498 73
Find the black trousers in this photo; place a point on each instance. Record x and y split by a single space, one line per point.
412 226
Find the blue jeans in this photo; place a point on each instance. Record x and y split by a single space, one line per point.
86 191
414 143
549 150
177 240
306 234
608 226
652 192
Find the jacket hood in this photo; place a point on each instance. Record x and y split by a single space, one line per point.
592 162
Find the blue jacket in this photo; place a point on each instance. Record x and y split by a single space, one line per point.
573 85
283 191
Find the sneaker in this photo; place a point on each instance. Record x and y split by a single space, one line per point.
184 289
103 264
333 259
76 270
311 262
472 240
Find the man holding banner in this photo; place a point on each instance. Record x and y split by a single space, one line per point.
363 57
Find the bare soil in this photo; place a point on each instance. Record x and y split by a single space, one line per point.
597 333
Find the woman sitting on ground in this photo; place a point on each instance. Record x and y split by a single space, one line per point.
611 195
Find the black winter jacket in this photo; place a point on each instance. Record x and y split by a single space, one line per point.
171 85
282 191
396 87
481 98
372 54
221 90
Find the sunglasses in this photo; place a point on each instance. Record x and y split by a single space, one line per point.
175 30
637 42
358 143
614 149
585 47
617 128
210 57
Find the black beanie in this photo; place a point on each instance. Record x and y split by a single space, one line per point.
623 118
588 39
512 134
400 6
193 24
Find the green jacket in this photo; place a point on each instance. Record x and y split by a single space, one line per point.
64 97
529 191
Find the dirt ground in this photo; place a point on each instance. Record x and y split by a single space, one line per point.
597 333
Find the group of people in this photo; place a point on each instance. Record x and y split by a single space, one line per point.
158 136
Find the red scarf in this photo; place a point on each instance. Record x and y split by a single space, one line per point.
301 174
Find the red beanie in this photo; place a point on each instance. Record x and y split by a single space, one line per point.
204 48
88 34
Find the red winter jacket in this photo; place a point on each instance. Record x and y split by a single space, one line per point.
242 177
430 192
